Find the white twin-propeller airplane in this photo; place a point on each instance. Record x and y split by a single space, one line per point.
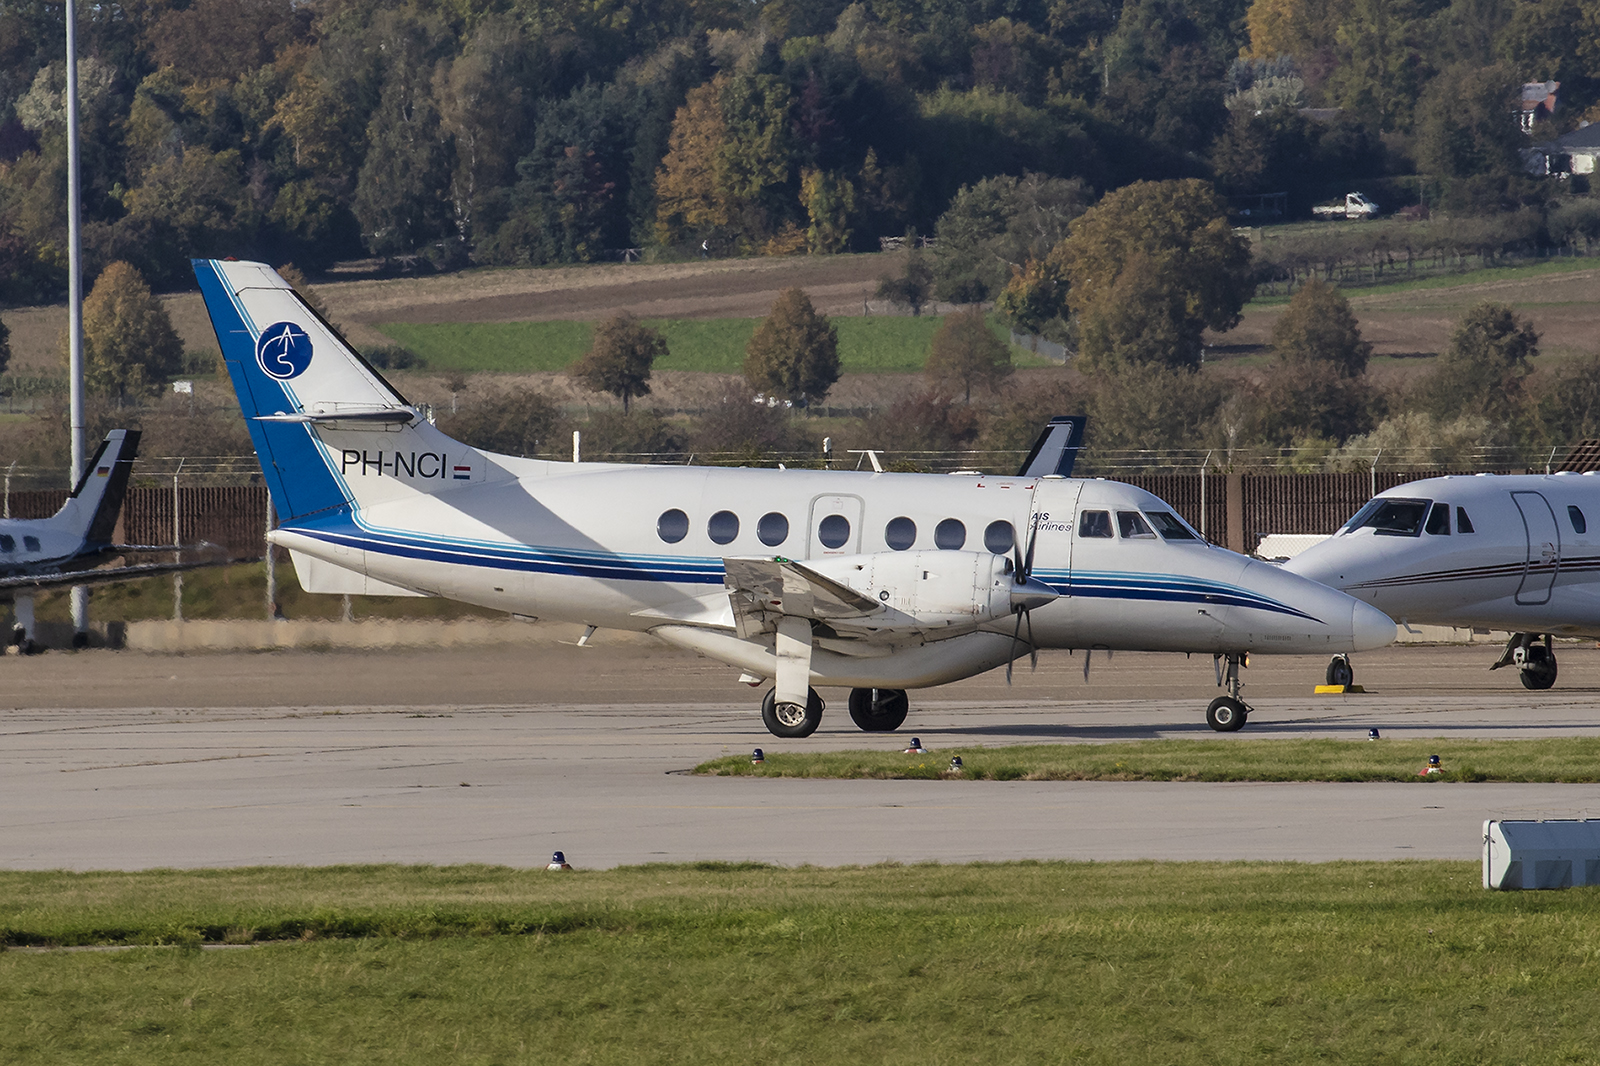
876 582
1513 553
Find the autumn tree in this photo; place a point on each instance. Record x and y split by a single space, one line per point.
5 347
620 359
1151 267
515 422
794 353
129 344
1318 327
966 352
689 198
1035 300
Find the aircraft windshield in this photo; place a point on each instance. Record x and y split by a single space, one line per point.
1390 517
1170 527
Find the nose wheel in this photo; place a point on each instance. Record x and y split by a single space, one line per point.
1340 672
1228 714
1535 662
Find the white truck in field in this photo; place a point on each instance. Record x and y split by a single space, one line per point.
1353 205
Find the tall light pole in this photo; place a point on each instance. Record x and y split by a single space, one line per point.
80 595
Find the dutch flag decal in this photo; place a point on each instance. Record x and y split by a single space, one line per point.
463 473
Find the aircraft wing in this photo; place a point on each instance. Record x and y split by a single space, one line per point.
762 590
101 576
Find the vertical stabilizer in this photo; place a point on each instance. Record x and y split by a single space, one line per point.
331 433
92 509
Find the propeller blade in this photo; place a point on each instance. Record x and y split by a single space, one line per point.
1088 655
1014 636
1033 539
1033 647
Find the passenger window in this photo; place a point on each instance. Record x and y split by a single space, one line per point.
1132 524
1393 518
949 535
672 526
1439 520
30 543
833 531
723 527
900 533
773 529
1463 523
1094 524
999 537
1169 527
8 543
1579 523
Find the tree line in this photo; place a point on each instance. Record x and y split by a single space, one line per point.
536 131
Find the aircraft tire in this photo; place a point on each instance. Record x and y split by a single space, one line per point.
1226 714
1340 672
1539 674
792 722
886 716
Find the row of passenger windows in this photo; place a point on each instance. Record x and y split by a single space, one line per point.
772 529
8 543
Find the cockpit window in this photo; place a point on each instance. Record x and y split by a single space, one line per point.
1094 524
1390 517
1169 527
1463 523
1439 520
1132 524
1579 523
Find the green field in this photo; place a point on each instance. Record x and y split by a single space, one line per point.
888 344
1570 759
1109 963
1453 281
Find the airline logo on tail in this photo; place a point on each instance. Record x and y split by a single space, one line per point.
283 351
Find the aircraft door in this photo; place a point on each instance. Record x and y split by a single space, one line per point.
835 527
1544 548
1054 510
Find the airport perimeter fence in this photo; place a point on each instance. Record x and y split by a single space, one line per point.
1234 510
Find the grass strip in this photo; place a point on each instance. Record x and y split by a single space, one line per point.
1185 963
1567 760
885 344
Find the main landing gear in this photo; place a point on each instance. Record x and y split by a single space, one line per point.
791 720
1228 714
879 710
875 710
1535 663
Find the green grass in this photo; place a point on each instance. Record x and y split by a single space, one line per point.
1570 759
1196 963
888 344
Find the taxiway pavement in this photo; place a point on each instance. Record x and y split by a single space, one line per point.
126 761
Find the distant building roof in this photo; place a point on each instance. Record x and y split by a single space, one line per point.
1584 140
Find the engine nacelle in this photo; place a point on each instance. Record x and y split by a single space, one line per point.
937 588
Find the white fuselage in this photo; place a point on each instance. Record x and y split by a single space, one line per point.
1528 562
642 547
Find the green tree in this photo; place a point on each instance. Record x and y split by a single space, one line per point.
1483 369
1151 267
1036 299
965 352
830 200
129 344
620 358
516 422
1464 137
794 353
913 287
1318 327
995 226
5 347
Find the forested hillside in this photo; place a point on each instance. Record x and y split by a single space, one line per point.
521 132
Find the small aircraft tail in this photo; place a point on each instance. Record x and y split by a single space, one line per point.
330 432
1056 449
92 509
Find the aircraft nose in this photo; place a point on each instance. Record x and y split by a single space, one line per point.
1370 628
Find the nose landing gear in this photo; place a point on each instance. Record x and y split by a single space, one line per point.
1535 663
1228 714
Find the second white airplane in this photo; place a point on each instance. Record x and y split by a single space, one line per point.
1519 553
875 582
